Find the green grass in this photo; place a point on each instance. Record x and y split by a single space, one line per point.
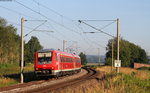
6 69
7 81
14 68
130 83
127 81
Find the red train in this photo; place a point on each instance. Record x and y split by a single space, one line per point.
56 63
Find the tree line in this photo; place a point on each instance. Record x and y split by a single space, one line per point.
10 43
129 53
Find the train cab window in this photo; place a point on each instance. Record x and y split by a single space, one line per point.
44 58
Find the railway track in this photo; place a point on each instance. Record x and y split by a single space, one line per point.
54 85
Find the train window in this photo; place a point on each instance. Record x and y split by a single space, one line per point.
62 59
78 60
44 58
66 59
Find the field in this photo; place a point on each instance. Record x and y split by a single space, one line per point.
127 81
108 81
6 69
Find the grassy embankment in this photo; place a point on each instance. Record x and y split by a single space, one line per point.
127 81
6 69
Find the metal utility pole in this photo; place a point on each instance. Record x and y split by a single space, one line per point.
118 39
64 45
22 50
98 55
112 50
117 62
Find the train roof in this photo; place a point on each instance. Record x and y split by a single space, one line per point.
61 52
45 50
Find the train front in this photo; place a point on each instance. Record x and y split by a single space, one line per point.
44 62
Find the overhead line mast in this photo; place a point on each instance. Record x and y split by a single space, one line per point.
118 62
96 28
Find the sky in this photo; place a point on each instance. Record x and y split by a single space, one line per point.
61 17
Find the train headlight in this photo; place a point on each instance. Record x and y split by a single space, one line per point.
53 68
36 69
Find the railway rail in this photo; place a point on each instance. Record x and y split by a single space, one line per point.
46 86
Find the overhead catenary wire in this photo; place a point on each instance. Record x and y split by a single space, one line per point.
28 20
47 17
34 29
66 28
90 40
55 12
51 10
99 20
96 28
107 25
60 16
20 25
11 10
16 12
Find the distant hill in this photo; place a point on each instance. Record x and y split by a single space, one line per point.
95 58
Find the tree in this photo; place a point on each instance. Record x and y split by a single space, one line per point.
83 58
9 43
31 47
129 53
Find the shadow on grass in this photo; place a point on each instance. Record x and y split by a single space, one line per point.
28 77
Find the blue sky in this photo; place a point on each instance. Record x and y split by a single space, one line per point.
134 22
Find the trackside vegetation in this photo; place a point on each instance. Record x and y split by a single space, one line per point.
83 58
30 48
10 53
9 73
129 53
10 45
127 81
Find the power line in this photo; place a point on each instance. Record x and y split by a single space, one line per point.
47 17
19 24
60 16
47 8
29 17
52 10
34 29
51 19
54 37
16 12
99 20
107 25
96 28
90 40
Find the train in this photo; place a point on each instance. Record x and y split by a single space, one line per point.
51 62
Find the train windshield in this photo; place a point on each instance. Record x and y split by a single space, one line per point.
44 58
